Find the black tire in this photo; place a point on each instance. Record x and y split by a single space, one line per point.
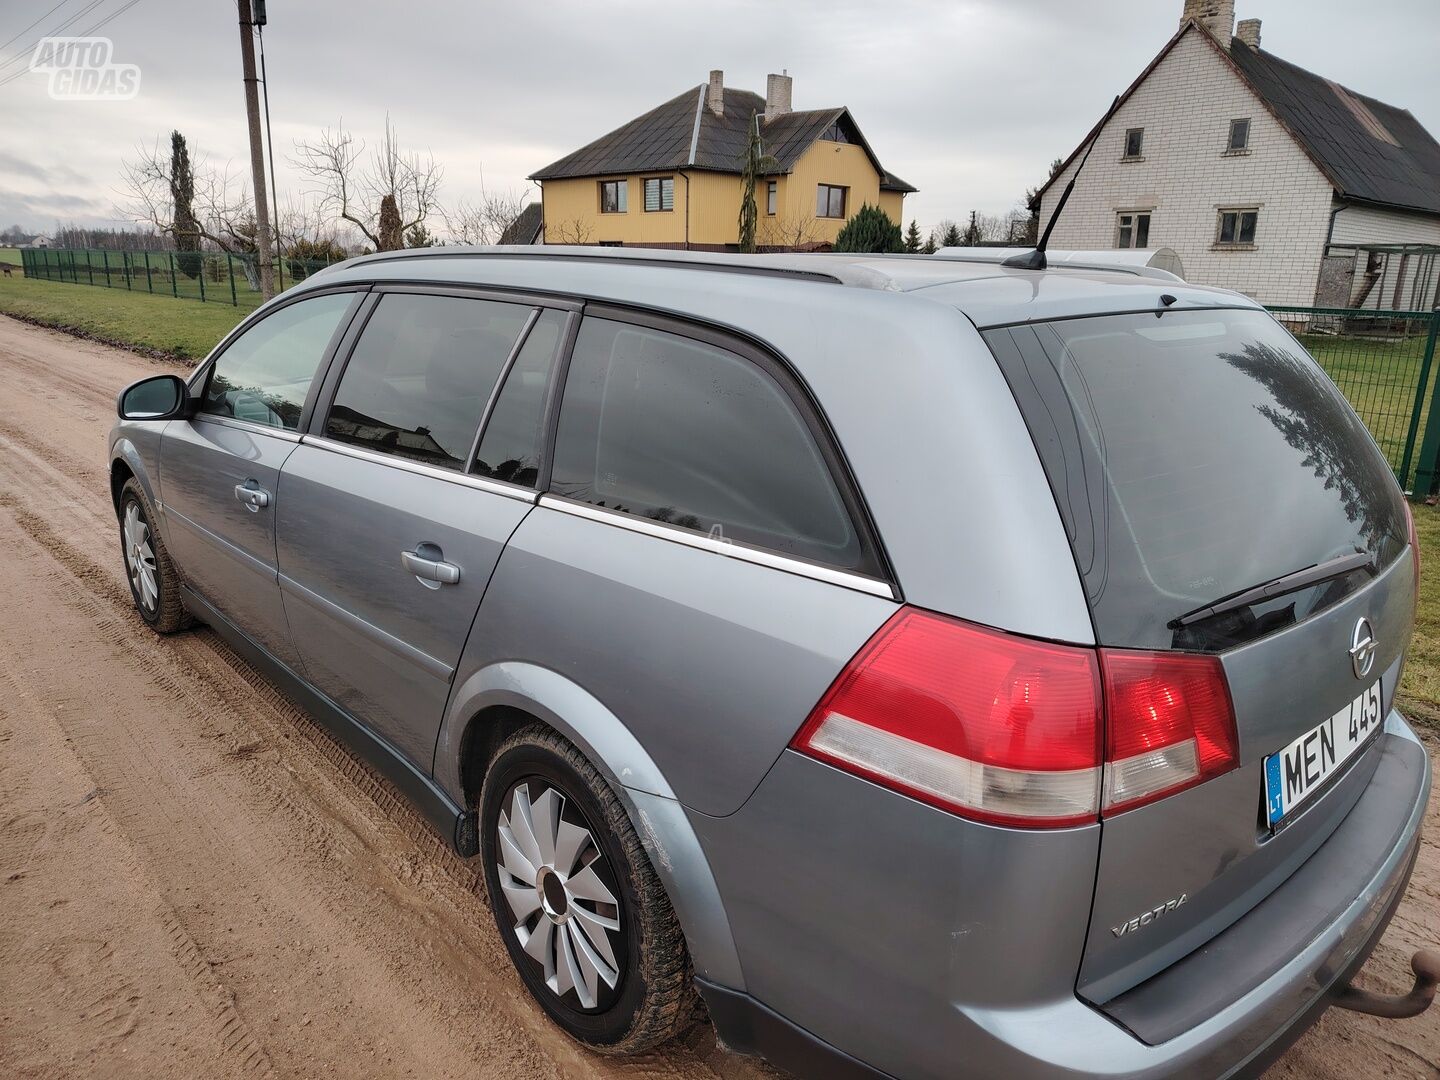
653 999
165 613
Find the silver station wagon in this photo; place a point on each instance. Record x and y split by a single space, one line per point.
939 667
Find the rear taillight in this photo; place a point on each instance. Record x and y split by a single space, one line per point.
988 725
1169 725
1012 731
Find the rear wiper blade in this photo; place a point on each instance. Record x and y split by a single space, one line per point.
1286 583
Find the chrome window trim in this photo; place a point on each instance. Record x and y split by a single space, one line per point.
284 434
479 483
490 401
730 549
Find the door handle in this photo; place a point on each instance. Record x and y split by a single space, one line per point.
252 495
427 563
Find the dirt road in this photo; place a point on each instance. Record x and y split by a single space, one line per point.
196 881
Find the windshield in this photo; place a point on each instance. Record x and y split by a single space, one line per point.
1193 456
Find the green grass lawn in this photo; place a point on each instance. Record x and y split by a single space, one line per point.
10 255
186 329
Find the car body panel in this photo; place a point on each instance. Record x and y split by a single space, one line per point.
226 549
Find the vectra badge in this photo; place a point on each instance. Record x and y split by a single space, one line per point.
1148 917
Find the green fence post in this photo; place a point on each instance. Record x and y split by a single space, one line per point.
201 277
230 262
149 276
105 258
174 284
89 268
1430 445
1419 406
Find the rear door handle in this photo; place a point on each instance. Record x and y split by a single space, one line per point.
252 495
427 563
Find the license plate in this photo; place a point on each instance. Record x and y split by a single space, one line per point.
1301 769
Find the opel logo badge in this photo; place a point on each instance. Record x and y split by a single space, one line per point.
1363 647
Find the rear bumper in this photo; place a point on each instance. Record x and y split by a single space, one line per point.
926 1018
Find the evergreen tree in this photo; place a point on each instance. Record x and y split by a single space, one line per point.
182 196
929 248
870 230
952 237
757 164
912 237
419 236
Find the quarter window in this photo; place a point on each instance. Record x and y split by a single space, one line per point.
830 201
772 191
510 448
420 376
1132 230
1134 142
1239 135
660 193
1236 228
679 431
265 373
613 197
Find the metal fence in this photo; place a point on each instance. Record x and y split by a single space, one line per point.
1383 362
198 275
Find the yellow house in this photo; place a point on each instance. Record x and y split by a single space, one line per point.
672 177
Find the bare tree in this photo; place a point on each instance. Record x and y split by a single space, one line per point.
384 196
789 232
222 214
485 220
573 231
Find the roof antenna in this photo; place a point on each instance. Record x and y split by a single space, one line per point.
1035 260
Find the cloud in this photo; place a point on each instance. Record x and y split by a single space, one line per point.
968 99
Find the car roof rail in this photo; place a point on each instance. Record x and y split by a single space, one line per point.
1160 263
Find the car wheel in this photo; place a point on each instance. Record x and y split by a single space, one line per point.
154 585
582 913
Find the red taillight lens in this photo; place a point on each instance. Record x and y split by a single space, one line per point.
988 725
1169 723
1008 730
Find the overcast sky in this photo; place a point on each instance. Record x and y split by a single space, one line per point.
968 101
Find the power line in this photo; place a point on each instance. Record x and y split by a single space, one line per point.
54 31
37 22
84 33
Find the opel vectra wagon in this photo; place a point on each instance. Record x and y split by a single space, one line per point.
938 667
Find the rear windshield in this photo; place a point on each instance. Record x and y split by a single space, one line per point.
1193 456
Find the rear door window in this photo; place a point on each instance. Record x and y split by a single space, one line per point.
264 375
1194 456
418 379
680 431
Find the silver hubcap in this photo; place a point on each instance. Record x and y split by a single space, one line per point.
566 918
140 557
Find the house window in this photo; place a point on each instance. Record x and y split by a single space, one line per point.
1236 228
772 192
1134 143
1132 230
613 197
830 201
835 133
1239 135
660 193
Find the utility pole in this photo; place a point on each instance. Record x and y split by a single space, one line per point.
257 153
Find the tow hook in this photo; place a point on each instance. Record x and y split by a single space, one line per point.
1425 964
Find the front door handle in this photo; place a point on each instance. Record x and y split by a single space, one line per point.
427 563
252 495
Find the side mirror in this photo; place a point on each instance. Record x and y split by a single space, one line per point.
160 397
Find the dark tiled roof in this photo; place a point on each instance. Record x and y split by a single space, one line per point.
525 229
891 182
662 137
1345 142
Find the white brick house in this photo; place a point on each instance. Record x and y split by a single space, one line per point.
1259 174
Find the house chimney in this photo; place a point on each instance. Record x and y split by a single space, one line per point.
777 95
1216 16
1248 31
715 95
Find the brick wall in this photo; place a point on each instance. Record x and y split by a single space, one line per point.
1186 176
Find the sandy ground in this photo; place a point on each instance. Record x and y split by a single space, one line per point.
196 881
